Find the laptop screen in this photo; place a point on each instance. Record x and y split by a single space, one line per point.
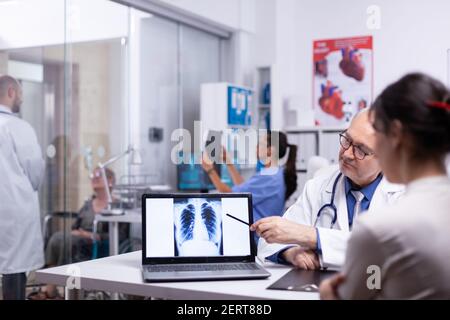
197 226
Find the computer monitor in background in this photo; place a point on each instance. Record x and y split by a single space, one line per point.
192 177
190 174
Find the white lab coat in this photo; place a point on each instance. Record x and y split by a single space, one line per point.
317 192
21 173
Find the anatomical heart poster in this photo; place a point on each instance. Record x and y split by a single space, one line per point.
342 79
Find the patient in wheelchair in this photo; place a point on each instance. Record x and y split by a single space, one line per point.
82 238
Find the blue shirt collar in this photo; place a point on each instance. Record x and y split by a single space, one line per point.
367 191
270 171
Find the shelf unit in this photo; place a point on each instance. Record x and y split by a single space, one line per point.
313 141
264 96
214 107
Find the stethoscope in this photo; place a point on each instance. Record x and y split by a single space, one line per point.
330 206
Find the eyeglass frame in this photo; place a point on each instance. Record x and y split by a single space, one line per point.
97 173
342 135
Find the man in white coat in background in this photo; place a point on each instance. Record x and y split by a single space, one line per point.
21 173
313 232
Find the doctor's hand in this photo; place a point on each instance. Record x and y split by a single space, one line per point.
281 230
302 258
328 288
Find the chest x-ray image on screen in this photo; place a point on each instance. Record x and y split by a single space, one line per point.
198 227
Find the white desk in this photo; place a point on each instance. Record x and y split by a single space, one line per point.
114 220
122 273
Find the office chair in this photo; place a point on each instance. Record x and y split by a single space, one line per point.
315 164
46 228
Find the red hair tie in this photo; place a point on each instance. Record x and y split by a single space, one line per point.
438 104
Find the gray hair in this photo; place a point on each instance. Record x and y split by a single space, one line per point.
6 82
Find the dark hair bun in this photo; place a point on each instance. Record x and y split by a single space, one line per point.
422 104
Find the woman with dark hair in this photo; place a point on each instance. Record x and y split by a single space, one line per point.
272 185
403 251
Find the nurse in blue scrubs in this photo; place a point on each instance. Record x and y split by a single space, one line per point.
272 185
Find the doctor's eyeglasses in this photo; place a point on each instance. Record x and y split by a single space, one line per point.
358 151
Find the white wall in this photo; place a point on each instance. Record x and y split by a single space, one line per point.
414 36
284 70
264 38
273 44
36 23
223 12
234 14
240 17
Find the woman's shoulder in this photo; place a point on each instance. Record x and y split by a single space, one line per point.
268 178
392 218
87 204
270 173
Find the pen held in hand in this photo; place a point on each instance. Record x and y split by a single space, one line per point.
246 223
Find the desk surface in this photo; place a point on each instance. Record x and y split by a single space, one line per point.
130 216
122 273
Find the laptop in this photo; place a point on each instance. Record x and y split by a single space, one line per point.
189 237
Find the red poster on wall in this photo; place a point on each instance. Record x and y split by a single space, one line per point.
342 79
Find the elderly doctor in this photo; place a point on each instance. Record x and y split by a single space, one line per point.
21 172
313 232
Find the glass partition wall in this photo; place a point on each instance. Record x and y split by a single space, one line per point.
99 78
71 60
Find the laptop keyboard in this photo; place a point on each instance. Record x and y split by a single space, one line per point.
201 267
